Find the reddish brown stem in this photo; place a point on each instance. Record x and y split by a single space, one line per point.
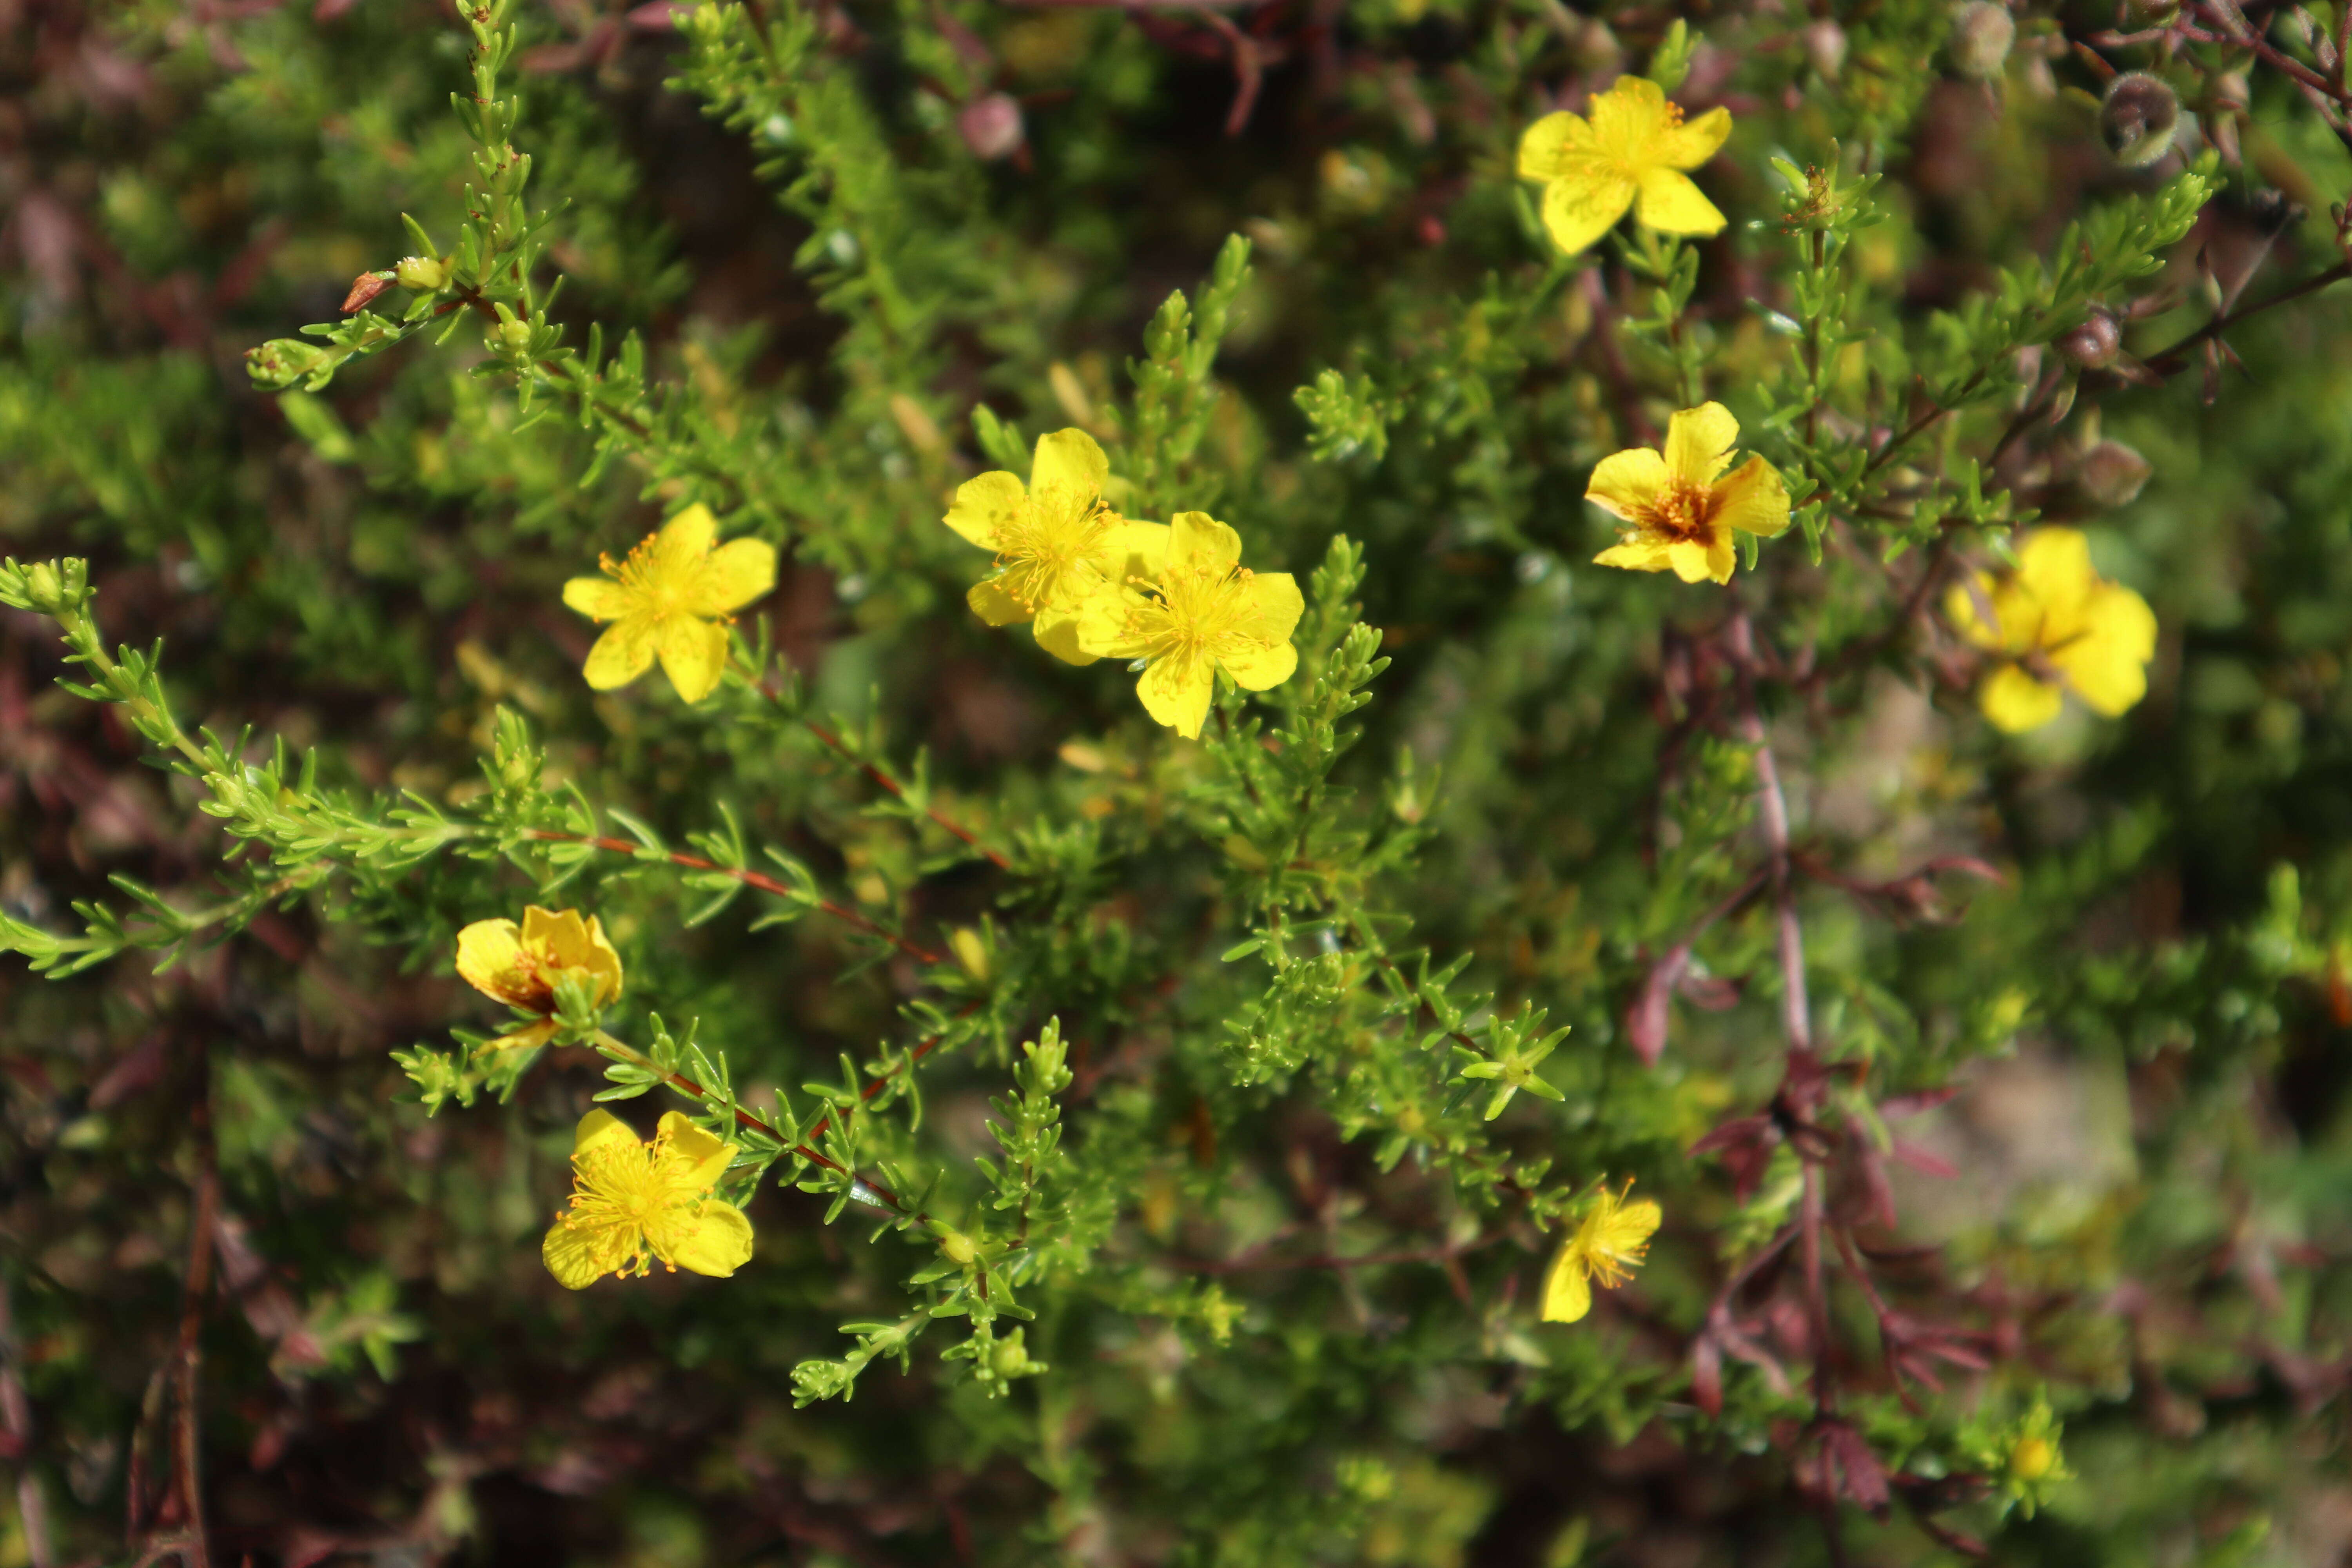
881 777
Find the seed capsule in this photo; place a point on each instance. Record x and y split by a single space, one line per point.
2138 119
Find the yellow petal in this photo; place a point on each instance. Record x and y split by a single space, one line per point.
575 1255
598 1129
1671 205
2107 664
2015 701
1629 1227
528 1037
1635 555
1274 606
705 1157
1258 667
489 954
1567 1293
1628 483
1974 611
622 654
1196 539
693 653
1753 498
1069 460
1176 690
737 573
2053 566
557 937
1137 549
1102 626
1542 144
598 598
1056 630
1697 561
1583 201
1628 119
1693 142
719 1244
982 504
991 602
683 542
1700 442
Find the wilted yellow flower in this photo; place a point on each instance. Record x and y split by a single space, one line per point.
1635 147
521 965
674 596
1207 612
1056 542
1681 504
634 1202
1606 1247
2058 626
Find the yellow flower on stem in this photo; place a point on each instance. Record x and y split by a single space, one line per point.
673 598
1056 542
1681 506
1207 612
2057 627
637 1202
520 966
1632 149
1605 1250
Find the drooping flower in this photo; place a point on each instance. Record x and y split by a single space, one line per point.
672 598
1057 544
521 965
1632 149
2057 627
1680 503
635 1201
1605 1249
1206 612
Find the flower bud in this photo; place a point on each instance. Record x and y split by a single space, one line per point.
515 335
282 361
2033 1458
1981 35
2095 344
991 126
41 585
2138 119
2112 474
425 273
958 1247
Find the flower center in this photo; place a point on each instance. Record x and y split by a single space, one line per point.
1050 535
634 1203
1682 513
656 593
1198 612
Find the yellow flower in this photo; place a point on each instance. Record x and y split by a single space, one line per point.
1635 146
1682 505
1207 612
520 966
634 1202
1606 1247
674 596
1056 543
2058 626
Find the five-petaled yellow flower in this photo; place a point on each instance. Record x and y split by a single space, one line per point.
1206 612
1606 1247
673 597
2058 626
633 1203
1680 503
1634 148
521 965
1056 542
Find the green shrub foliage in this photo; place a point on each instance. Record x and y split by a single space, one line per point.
1161 1150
